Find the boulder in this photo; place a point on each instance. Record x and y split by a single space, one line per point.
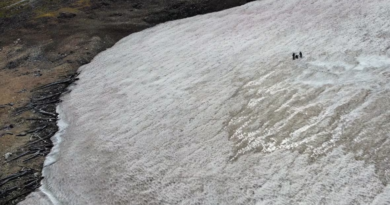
7 155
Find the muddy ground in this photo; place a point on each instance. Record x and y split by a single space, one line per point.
46 41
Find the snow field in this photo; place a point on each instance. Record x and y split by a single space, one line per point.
212 110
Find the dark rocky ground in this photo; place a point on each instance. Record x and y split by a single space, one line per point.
46 41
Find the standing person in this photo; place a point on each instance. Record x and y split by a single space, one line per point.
300 54
293 56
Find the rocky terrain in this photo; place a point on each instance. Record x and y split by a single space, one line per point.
42 44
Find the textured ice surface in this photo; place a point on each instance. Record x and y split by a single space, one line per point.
212 110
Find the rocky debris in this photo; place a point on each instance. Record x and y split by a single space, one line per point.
137 6
66 15
7 127
37 73
22 134
14 63
17 41
104 3
11 65
7 155
115 14
22 91
7 133
26 180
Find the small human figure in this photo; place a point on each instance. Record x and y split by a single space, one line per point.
293 56
300 54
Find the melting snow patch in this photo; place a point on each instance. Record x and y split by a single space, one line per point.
212 110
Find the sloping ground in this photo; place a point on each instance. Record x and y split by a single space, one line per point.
45 41
212 110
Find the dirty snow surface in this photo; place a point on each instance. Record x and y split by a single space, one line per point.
213 110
